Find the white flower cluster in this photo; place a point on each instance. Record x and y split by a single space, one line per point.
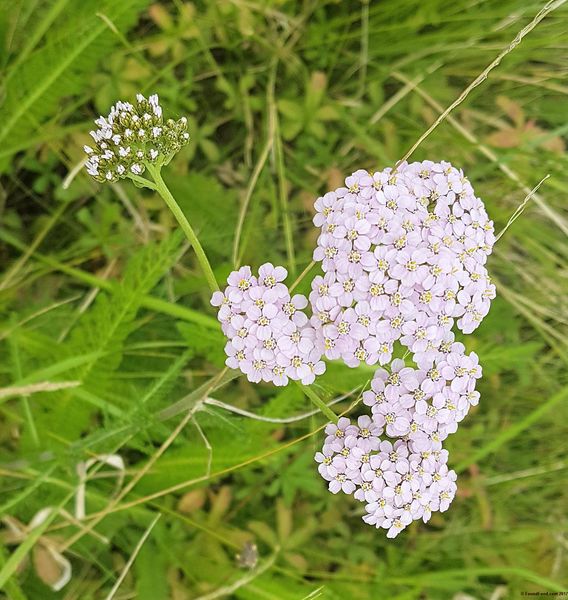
270 338
409 480
403 256
131 136
397 482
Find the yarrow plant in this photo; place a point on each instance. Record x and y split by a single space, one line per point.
403 254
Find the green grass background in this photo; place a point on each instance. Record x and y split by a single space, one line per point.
283 99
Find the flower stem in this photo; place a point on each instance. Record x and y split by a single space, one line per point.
318 402
302 275
165 193
142 181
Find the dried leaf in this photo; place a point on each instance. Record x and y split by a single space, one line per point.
284 520
334 178
220 503
51 567
160 15
553 144
296 560
318 81
263 531
192 501
506 138
178 587
512 109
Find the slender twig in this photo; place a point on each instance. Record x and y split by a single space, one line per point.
229 589
29 251
157 304
34 388
73 173
521 208
490 154
533 472
7 332
364 54
255 175
185 484
87 301
132 483
282 189
98 517
393 101
207 445
132 558
302 275
318 402
142 225
294 419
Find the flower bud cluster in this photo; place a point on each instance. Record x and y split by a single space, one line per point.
403 255
130 137
269 337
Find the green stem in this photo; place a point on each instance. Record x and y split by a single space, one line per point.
318 402
165 193
142 181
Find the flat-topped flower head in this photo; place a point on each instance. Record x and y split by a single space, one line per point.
397 483
269 337
132 136
403 257
414 243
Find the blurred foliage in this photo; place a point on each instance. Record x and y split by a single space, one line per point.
98 288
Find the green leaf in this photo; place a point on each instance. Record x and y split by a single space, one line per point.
204 341
151 576
290 109
514 430
103 329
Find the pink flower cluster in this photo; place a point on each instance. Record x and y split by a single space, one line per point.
409 479
425 406
397 482
403 256
270 338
